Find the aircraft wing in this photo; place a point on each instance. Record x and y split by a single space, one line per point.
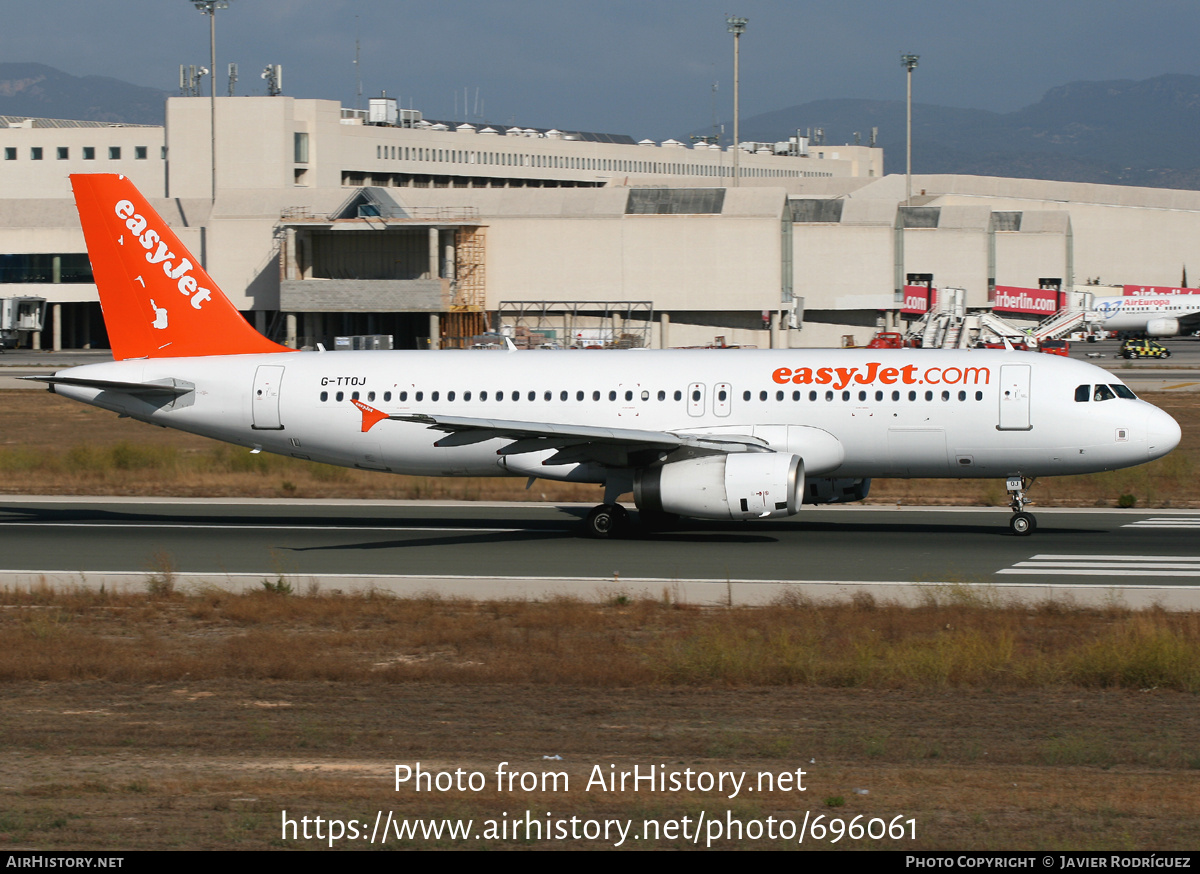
574 443
171 387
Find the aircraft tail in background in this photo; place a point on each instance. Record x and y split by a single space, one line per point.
158 301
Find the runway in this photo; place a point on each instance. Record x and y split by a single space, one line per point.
522 550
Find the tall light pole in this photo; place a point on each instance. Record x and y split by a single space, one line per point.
209 8
909 62
736 26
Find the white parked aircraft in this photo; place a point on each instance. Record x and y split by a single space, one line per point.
1163 315
704 433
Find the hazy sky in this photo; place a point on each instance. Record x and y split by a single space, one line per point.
640 68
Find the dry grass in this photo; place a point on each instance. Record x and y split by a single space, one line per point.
55 446
267 635
173 720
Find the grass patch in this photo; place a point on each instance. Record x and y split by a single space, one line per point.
378 639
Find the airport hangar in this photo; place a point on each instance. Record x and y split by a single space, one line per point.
331 222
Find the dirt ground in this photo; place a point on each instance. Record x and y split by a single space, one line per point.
94 765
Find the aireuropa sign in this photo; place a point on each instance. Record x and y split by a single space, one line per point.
1028 301
1155 290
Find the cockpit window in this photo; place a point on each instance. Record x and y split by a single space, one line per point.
1104 393
1123 391
1083 393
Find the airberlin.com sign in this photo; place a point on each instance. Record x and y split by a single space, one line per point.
1032 301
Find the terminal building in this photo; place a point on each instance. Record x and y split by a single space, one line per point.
323 223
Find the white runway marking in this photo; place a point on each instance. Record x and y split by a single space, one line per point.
1165 522
1109 566
237 526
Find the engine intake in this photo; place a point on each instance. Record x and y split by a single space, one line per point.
747 485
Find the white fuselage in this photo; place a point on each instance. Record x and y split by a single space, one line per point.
1159 315
847 413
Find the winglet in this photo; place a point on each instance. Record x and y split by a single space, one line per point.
158 301
371 416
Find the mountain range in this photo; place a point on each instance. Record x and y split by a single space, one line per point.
38 91
1120 132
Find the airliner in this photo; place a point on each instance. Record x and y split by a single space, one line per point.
710 434
1163 315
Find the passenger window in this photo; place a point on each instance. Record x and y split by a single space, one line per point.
595 395
945 395
483 396
433 396
562 396
371 396
548 396
499 396
387 395
578 395
678 395
745 395
420 395
962 395
533 396
1104 393
466 396
895 395
828 395
845 395
662 395
1082 393
628 395
324 396
403 396
862 395
795 395
912 395
645 395
354 396
878 395
928 395
340 396
612 395
978 395
696 395
449 396
812 395
778 395
722 395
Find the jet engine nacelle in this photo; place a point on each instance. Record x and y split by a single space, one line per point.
835 491
745 485
1162 327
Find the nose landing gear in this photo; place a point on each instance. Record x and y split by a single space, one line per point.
1020 523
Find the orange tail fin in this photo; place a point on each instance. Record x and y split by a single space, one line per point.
158 301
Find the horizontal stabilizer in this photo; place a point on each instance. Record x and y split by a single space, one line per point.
173 387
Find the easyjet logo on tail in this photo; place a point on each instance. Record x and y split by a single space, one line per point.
157 252
911 374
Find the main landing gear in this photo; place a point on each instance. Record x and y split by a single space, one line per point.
606 520
1022 524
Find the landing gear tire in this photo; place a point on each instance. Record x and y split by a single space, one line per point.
1022 524
606 521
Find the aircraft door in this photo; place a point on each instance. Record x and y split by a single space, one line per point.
722 398
695 399
265 400
1014 398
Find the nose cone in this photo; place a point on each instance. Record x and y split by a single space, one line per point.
1162 433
